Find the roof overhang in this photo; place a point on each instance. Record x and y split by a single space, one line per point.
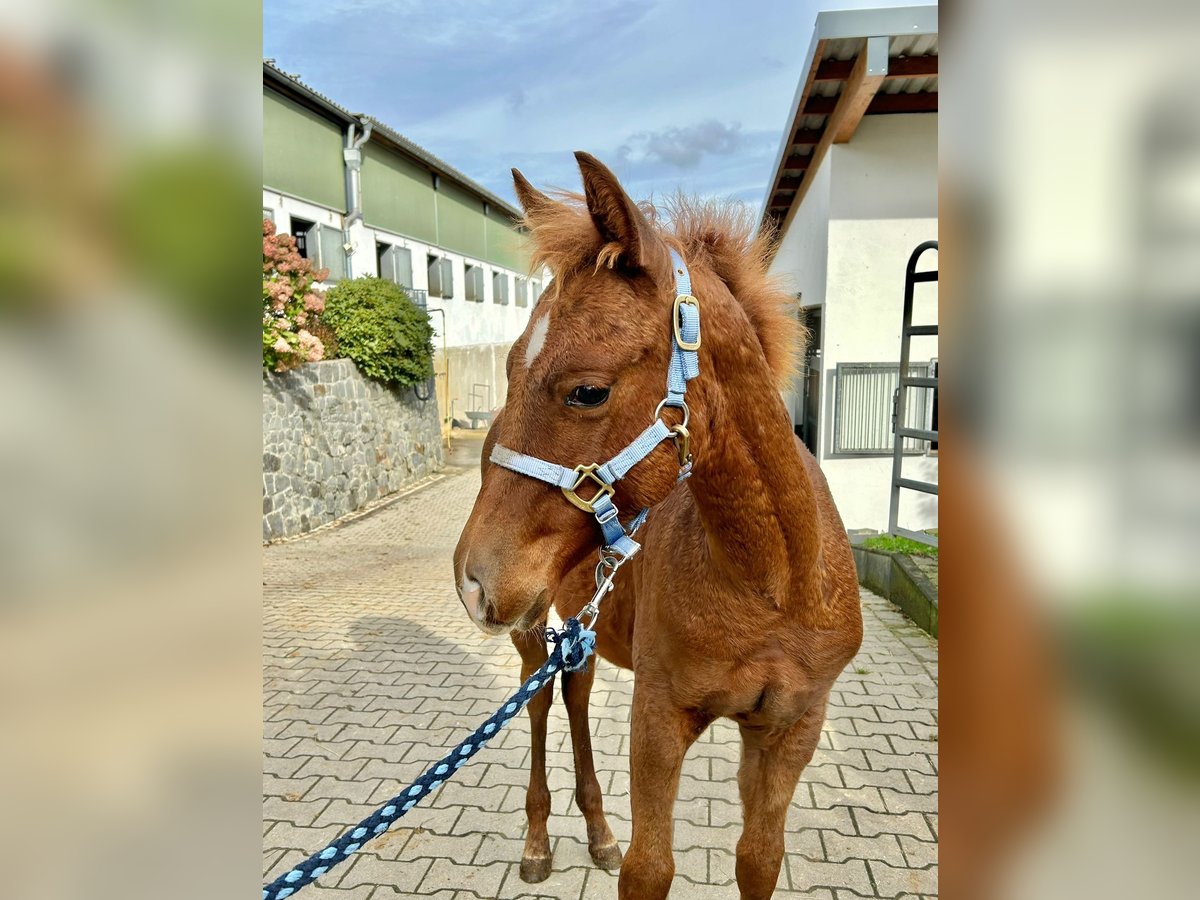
859 62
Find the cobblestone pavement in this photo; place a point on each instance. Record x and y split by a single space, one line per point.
372 671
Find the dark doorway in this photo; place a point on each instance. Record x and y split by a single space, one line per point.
300 231
809 415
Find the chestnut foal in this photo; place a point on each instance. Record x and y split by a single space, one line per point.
743 602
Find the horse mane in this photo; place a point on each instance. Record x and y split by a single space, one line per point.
718 235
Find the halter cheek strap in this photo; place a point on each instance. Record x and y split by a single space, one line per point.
683 367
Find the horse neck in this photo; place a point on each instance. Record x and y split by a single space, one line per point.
752 491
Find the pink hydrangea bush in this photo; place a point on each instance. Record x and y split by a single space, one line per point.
288 302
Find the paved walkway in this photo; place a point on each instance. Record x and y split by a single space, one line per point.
372 671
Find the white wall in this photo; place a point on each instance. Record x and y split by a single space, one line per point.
848 245
468 323
888 170
863 309
883 203
801 256
800 260
283 207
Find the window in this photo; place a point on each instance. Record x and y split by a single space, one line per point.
322 245
863 408
441 277
474 282
300 231
269 214
535 289
500 288
522 291
395 264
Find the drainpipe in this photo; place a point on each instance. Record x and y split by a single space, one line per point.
353 157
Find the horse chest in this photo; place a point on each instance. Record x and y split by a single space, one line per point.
759 684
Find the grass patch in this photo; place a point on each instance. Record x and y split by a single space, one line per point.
887 543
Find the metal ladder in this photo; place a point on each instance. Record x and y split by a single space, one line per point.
911 278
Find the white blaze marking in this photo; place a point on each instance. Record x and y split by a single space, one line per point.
537 339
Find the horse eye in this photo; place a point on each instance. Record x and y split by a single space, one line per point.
587 395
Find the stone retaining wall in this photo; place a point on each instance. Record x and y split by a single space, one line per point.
903 580
334 440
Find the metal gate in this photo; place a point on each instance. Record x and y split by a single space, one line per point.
911 278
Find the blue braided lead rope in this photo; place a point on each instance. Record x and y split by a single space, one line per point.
573 645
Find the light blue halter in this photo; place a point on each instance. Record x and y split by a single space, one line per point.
619 544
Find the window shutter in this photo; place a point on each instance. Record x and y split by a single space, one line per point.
332 256
396 266
402 262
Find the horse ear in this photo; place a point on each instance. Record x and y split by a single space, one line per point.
532 200
617 217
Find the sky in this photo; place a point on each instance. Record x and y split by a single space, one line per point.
670 95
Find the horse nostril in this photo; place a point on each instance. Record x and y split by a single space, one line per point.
472 596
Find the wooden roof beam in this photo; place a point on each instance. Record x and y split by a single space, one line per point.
898 67
844 107
860 89
923 101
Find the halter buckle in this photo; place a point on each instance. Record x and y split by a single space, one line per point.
683 300
586 473
683 444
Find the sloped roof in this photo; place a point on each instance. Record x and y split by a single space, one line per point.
841 84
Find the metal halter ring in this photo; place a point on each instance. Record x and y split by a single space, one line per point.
585 474
682 405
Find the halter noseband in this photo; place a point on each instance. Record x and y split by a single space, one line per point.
619 544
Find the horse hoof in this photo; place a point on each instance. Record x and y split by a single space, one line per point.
608 858
535 869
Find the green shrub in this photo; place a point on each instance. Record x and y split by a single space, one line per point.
381 329
887 543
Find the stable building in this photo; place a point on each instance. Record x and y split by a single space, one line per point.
853 193
361 199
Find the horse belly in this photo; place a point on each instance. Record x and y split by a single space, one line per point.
614 639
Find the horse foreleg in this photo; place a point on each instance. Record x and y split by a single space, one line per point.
660 736
535 861
577 689
770 768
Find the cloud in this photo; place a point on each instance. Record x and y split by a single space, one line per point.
682 148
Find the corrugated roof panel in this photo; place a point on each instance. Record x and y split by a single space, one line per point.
842 48
913 45
909 85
